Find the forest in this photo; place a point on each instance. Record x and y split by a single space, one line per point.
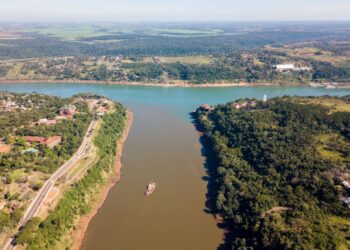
277 171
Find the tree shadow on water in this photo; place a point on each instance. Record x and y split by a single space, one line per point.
212 187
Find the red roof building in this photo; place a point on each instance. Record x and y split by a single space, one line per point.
5 148
49 142
36 139
53 141
67 110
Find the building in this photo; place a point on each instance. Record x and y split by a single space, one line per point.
53 141
36 139
30 151
67 110
291 67
156 59
50 142
284 67
47 122
207 107
101 109
245 104
5 148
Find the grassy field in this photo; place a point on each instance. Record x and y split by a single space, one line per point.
332 147
334 104
312 53
69 33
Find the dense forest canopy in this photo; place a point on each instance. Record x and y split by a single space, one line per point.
279 169
157 39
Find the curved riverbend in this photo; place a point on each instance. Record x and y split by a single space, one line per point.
163 147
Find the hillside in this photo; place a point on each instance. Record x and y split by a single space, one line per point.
280 171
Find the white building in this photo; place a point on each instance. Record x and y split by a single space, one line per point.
291 67
282 67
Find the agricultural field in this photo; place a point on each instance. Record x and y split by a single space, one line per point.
312 53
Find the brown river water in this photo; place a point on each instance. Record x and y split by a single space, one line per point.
164 149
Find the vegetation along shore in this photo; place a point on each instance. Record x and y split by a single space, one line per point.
68 220
83 222
176 84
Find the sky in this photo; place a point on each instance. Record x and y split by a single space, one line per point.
172 10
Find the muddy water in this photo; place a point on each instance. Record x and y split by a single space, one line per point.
162 147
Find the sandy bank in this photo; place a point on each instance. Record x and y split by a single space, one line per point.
84 221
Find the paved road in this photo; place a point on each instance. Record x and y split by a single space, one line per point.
44 191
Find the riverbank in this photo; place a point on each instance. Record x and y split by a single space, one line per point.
125 83
84 221
179 84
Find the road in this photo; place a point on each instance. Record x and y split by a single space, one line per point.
44 191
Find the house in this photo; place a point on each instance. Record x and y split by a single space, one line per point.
101 109
67 110
207 107
156 59
246 104
291 67
49 142
30 151
5 148
237 106
52 141
284 67
47 122
251 104
36 139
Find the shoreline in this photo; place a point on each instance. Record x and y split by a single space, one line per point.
168 84
84 221
344 85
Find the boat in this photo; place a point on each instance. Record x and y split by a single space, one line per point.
150 188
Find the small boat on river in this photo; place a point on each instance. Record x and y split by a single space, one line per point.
150 188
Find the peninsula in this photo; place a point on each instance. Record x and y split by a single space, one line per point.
279 171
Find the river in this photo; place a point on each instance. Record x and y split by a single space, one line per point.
163 147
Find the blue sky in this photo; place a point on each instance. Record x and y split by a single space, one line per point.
173 10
